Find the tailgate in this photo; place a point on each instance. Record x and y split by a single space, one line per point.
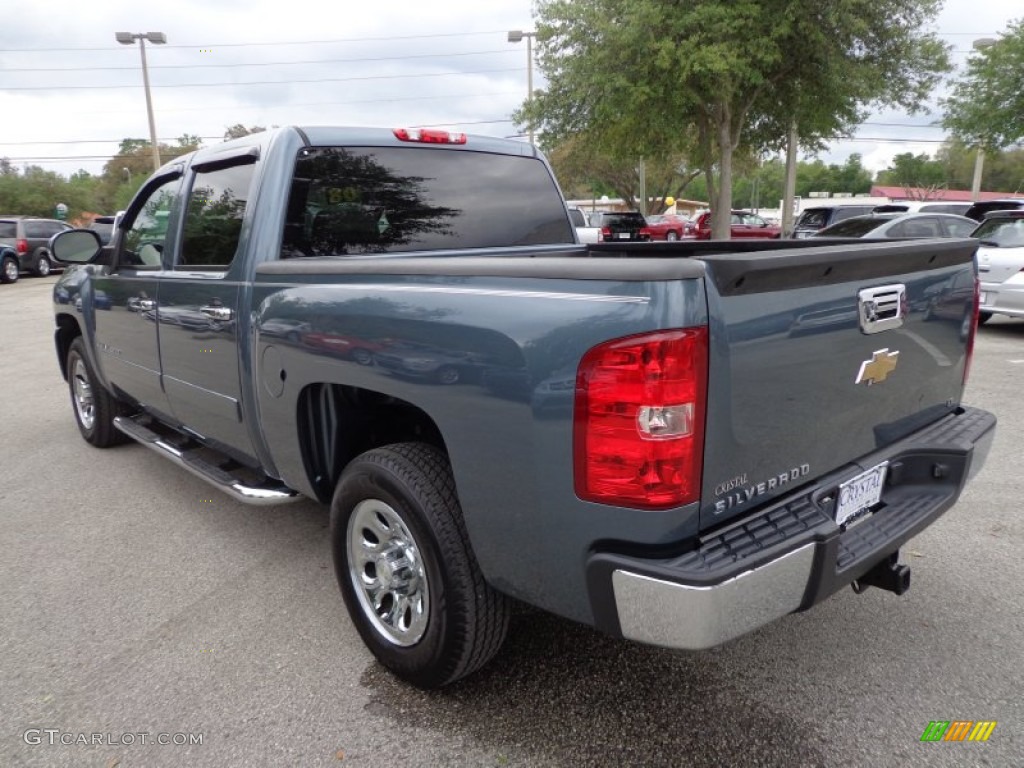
821 355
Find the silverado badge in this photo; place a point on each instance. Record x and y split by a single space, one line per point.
882 363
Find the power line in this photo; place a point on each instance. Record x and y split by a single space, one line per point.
249 108
269 63
203 138
260 82
294 42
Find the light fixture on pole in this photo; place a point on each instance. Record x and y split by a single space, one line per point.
157 38
514 36
979 158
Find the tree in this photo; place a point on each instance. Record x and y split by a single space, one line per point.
715 79
986 106
909 170
238 130
581 166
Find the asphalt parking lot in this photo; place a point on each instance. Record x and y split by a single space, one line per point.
134 601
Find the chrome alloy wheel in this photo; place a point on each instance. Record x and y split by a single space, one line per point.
85 406
10 270
387 573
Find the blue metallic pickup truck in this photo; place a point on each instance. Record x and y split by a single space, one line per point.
676 443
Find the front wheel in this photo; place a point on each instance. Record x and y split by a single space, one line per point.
93 406
984 317
406 570
9 270
671 236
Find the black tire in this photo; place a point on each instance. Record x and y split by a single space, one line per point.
984 317
671 236
43 266
362 356
94 408
9 269
461 621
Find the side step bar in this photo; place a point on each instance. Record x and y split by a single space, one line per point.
266 493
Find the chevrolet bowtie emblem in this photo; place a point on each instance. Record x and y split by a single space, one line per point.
882 363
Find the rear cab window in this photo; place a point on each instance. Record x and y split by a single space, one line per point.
363 200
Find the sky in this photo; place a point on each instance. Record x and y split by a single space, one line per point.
69 92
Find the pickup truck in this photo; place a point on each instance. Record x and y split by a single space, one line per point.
651 439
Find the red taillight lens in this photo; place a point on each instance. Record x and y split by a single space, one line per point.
429 136
21 246
606 233
974 328
639 420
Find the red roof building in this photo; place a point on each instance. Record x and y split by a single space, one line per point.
946 195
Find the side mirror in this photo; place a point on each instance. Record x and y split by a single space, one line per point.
75 246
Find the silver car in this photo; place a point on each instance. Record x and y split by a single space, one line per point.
900 225
1001 264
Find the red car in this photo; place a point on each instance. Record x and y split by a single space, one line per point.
669 226
744 225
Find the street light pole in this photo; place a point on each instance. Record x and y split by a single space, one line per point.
157 38
514 36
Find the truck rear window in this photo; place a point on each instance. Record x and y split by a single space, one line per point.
346 201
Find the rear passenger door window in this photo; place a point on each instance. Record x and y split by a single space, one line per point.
956 228
213 221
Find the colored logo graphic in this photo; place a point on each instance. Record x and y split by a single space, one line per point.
958 730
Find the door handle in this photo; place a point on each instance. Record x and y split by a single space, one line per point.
218 313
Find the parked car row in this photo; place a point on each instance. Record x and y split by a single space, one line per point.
29 238
25 243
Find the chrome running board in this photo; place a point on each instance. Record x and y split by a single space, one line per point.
266 493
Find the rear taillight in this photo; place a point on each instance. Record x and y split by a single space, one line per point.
974 328
606 233
429 136
639 420
21 246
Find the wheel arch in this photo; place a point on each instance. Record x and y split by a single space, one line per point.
337 422
67 331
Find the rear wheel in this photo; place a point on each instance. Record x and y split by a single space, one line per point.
93 406
42 268
406 570
671 235
9 270
984 317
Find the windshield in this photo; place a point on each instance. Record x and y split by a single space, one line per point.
1004 233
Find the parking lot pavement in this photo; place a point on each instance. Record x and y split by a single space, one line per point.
137 603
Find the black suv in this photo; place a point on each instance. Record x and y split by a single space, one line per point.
30 239
979 210
617 226
821 216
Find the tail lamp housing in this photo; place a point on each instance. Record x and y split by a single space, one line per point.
639 420
975 312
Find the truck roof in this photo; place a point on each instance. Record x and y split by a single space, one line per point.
340 136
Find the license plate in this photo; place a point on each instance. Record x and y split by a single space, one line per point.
623 235
982 297
863 491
